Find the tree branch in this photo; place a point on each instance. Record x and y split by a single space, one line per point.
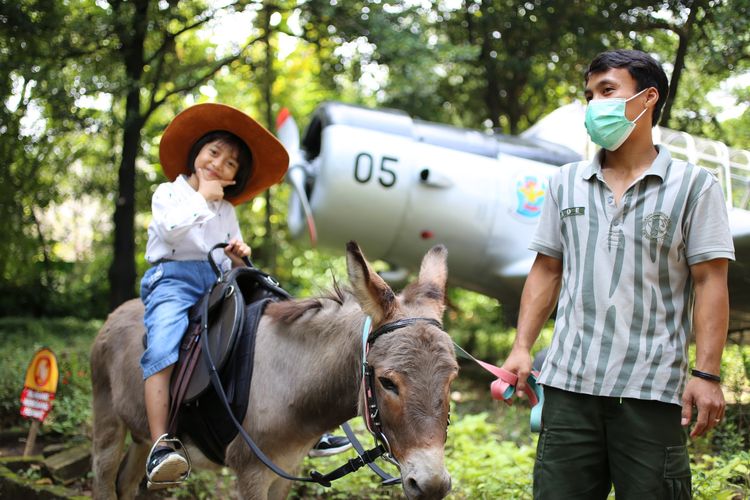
192 84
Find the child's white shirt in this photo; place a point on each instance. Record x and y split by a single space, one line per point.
184 226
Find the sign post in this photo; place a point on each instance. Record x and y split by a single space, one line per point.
38 392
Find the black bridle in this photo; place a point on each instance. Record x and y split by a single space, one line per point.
372 411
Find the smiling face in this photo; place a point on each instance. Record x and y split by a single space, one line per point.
217 160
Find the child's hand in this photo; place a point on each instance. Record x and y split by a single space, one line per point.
210 188
236 250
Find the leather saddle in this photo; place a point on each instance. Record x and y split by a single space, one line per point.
220 315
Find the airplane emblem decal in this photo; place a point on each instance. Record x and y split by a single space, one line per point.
530 191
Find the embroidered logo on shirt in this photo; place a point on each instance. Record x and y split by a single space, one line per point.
567 212
656 226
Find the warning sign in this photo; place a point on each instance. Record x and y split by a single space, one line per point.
40 386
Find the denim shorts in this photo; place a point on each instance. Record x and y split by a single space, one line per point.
168 290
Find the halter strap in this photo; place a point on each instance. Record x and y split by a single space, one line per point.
400 323
372 410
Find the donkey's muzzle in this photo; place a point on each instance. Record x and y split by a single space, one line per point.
424 476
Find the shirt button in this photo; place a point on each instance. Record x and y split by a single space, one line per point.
616 222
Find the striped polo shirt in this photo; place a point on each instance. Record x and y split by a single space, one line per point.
625 305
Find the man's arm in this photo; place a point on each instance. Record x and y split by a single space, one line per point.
538 300
710 324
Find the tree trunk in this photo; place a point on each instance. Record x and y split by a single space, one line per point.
268 77
679 63
122 271
492 89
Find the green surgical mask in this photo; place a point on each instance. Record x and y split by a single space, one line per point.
606 122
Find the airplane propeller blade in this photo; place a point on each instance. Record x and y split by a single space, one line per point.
297 174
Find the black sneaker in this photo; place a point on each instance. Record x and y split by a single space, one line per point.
328 445
165 467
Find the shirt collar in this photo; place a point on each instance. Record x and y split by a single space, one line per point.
657 168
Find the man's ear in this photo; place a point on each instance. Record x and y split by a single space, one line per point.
373 294
652 97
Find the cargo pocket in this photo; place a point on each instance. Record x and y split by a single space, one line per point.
540 446
677 484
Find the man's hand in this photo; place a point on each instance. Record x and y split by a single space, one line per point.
708 397
519 362
236 250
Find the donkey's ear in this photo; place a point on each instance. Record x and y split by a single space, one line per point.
429 289
434 269
373 294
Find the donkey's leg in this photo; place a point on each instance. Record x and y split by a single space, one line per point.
279 489
290 461
132 471
255 480
108 440
253 483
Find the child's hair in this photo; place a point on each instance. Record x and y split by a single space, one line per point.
244 158
642 67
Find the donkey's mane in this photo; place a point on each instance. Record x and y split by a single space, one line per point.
289 311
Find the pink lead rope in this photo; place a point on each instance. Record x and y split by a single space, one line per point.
504 387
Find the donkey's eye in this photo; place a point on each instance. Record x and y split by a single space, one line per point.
388 384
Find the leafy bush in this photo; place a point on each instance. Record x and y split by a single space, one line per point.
70 339
721 478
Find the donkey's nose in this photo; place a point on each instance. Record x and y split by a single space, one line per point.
427 487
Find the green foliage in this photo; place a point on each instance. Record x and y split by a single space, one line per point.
478 324
722 478
205 485
70 339
483 465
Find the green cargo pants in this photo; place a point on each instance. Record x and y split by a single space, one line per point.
588 443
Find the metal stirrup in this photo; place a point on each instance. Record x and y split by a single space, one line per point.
176 445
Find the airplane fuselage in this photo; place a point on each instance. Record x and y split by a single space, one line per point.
399 186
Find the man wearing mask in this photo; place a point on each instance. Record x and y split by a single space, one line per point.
625 243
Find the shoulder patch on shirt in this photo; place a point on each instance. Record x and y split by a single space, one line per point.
656 225
567 212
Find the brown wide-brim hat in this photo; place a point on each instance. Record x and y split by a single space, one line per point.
270 159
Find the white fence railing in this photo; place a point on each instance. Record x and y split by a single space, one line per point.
731 166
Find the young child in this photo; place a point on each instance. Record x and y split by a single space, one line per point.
215 156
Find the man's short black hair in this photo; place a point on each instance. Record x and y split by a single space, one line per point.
642 67
244 158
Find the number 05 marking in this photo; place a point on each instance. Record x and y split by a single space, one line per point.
364 168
